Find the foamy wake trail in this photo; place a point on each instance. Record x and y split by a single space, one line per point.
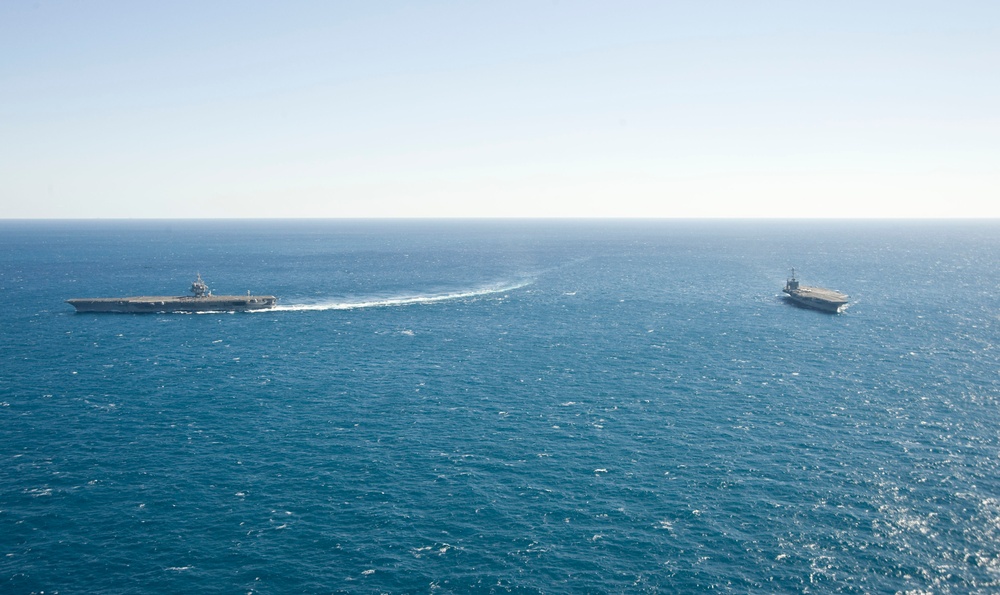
405 300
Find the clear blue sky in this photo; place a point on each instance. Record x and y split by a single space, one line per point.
515 109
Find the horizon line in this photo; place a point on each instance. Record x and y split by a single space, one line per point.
512 218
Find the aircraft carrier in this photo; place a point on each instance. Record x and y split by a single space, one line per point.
201 301
817 298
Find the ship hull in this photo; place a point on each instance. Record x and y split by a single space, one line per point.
156 304
807 299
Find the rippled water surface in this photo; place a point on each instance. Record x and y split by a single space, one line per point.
529 407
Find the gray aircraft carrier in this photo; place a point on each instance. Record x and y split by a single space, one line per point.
201 301
817 298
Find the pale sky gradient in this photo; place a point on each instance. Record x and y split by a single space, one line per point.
499 109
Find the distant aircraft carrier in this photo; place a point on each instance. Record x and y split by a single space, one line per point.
201 301
816 298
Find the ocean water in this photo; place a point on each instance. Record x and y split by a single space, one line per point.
502 407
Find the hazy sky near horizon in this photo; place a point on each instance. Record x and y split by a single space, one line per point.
500 109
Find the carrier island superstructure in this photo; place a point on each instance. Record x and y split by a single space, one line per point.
202 300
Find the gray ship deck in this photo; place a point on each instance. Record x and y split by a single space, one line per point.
819 293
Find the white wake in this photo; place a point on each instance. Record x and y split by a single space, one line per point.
403 300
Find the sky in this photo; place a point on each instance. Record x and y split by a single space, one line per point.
734 109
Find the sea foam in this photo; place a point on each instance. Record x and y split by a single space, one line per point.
403 300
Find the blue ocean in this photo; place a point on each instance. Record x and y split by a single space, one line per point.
502 407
